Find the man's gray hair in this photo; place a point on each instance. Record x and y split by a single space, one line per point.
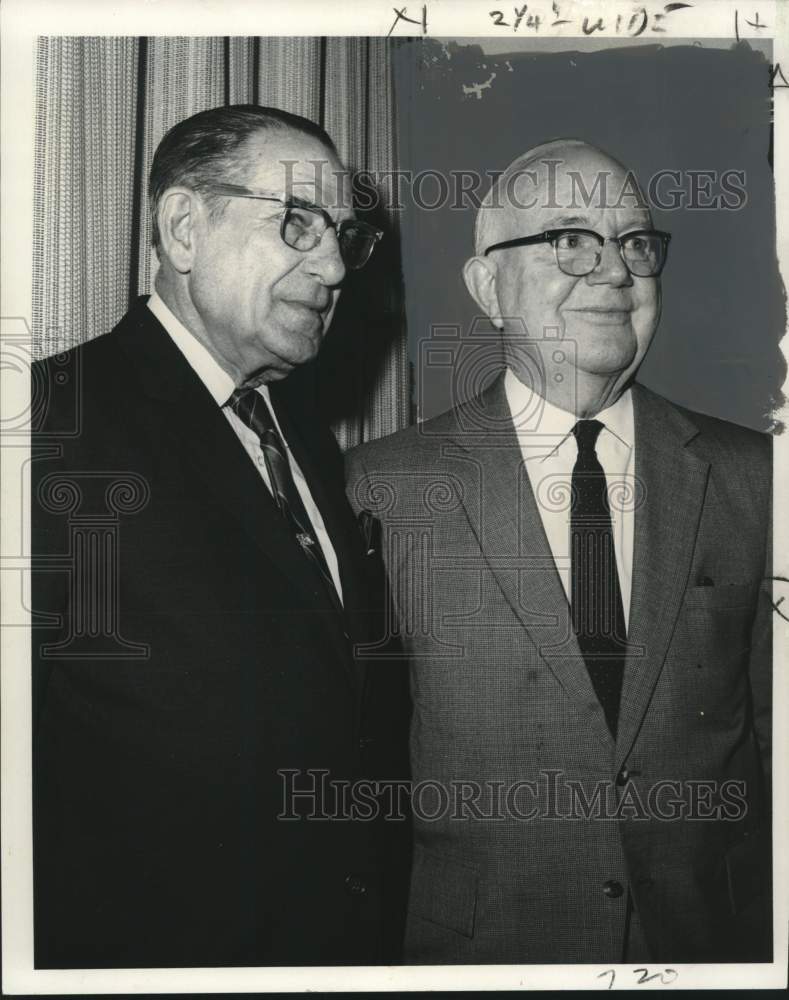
210 147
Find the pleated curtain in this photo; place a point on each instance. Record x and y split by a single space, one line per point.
103 104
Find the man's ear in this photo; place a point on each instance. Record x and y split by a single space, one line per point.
178 211
479 274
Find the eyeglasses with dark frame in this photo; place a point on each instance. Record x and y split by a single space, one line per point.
579 251
303 225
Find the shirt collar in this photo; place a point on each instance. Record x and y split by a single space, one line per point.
205 366
526 405
618 418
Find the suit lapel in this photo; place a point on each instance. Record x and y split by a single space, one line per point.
337 517
207 442
507 523
673 481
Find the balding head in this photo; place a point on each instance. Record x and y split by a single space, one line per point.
553 175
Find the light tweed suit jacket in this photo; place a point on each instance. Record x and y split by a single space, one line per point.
538 838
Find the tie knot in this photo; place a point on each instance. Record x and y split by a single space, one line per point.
250 407
586 433
239 396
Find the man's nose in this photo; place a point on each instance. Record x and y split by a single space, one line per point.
611 270
325 260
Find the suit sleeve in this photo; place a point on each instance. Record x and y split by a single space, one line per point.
355 472
761 659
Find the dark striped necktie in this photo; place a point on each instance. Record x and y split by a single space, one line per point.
596 599
250 407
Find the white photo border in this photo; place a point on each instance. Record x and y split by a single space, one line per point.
22 22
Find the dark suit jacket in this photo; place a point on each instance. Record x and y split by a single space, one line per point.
501 694
183 654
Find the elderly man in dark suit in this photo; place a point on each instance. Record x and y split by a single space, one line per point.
200 686
580 572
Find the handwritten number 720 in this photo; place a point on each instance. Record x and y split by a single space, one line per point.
666 976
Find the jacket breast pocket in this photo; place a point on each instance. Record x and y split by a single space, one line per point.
443 891
719 617
733 595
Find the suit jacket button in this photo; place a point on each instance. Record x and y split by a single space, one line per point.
355 885
622 777
613 889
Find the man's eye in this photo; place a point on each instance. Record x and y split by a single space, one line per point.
636 243
301 217
569 241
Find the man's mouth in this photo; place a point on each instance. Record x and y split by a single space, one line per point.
604 315
315 305
599 309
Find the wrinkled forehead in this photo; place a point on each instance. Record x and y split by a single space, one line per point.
572 188
294 164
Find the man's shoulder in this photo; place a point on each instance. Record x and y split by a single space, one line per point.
72 395
405 467
420 443
90 353
708 434
99 350
392 449
91 386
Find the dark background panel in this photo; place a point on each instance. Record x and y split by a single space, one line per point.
679 107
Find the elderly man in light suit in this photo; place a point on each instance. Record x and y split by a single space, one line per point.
580 570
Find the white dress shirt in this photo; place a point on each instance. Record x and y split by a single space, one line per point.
549 452
221 387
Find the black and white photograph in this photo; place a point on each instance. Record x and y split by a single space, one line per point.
394 462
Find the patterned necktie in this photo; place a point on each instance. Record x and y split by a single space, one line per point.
596 600
250 407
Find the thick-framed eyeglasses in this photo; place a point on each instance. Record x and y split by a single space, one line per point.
303 225
579 251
